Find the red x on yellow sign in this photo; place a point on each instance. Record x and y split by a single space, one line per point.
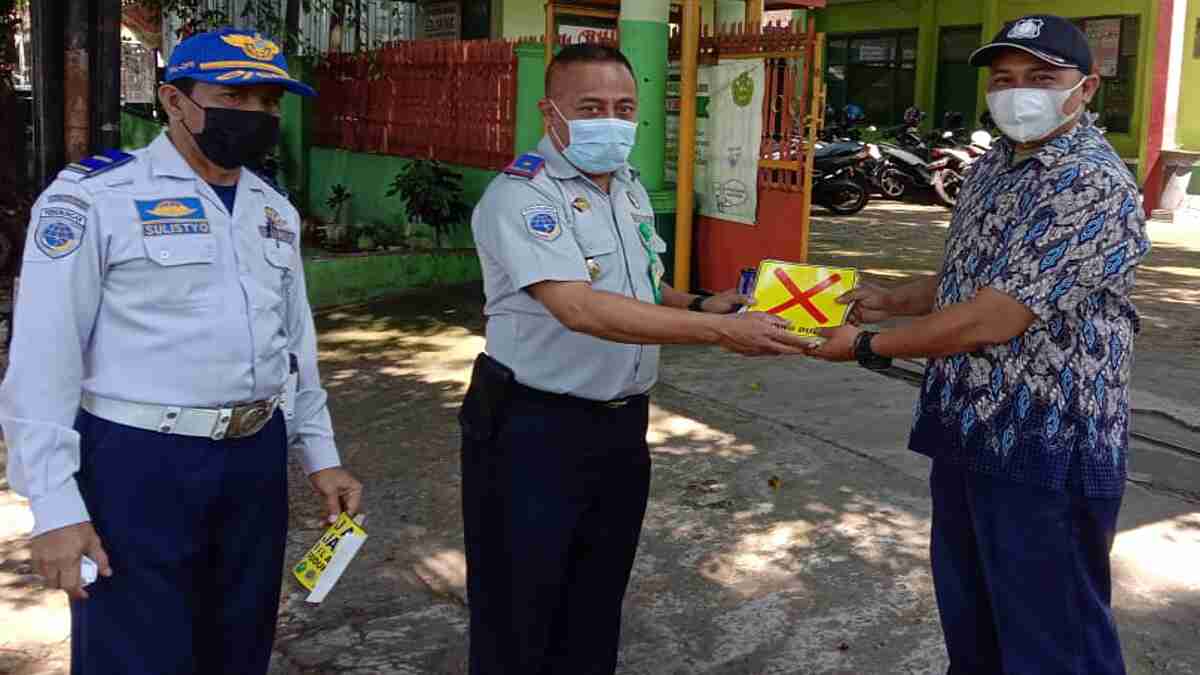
805 295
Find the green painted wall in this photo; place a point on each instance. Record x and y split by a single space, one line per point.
1188 135
523 18
295 136
349 279
368 177
644 43
870 16
531 88
137 131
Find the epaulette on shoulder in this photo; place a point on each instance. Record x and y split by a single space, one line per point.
98 164
269 179
526 166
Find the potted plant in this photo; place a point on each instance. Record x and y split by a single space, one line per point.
337 231
432 194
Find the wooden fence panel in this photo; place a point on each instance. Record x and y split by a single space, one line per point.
453 101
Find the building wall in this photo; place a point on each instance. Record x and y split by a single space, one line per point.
1188 135
368 177
932 16
527 18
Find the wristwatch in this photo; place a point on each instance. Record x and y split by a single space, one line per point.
697 304
867 358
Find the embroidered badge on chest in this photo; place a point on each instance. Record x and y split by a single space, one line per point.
59 231
177 215
275 227
542 222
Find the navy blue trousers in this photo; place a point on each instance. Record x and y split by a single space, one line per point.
552 509
1022 576
195 531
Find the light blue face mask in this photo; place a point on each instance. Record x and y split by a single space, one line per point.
598 146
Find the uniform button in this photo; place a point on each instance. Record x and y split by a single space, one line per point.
164 428
163 255
171 415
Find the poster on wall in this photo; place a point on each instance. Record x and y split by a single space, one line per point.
671 173
442 20
734 134
1104 37
580 34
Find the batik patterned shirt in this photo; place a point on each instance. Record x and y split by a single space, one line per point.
1062 232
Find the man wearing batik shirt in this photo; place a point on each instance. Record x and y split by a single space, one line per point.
1029 330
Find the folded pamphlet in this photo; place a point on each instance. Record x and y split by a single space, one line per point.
325 562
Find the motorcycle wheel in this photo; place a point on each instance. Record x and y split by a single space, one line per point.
846 197
946 183
892 184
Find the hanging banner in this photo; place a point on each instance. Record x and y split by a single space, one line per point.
734 134
1104 37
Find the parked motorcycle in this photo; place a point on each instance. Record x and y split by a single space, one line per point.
839 183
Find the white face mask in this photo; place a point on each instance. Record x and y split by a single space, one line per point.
1027 115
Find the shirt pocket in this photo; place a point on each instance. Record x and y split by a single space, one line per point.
279 272
601 255
183 270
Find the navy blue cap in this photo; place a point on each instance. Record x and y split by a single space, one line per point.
1050 38
232 56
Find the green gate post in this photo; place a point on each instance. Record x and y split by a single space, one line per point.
644 35
531 88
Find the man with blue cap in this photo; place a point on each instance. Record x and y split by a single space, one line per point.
163 361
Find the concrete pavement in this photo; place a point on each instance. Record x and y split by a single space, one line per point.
787 531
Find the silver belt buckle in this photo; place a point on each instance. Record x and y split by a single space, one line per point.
250 419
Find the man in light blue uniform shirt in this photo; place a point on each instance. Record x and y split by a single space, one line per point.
556 470
163 361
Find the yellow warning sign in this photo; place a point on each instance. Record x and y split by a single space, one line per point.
805 295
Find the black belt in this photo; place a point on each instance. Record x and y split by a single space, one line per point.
521 391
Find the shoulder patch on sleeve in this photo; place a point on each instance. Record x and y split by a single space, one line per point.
59 231
526 166
98 164
69 199
542 222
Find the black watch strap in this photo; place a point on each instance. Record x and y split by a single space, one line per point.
697 304
866 357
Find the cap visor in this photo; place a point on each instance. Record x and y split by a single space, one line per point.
299 88
244 78
983 56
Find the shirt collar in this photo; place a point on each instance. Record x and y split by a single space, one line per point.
1055 150
166 160
558 166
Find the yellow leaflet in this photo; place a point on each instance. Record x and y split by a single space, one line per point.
309 569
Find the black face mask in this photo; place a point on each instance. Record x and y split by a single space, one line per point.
234 138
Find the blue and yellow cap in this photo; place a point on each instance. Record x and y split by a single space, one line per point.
233 56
